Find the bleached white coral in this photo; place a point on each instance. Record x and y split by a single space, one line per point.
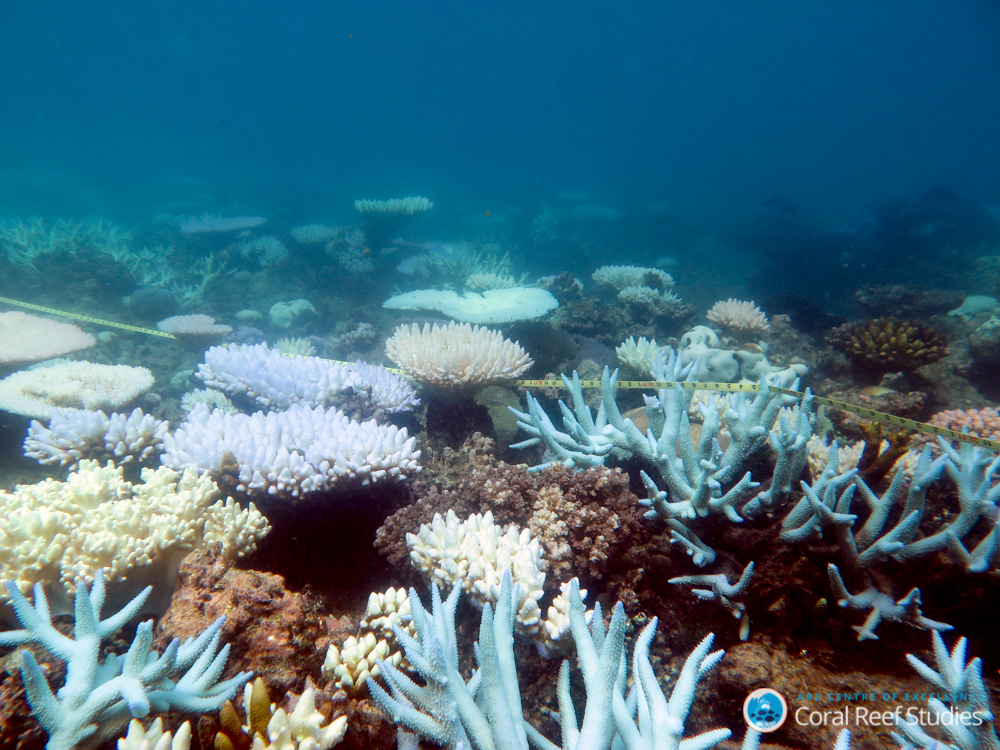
474 553
74 434
155 738
292 452
208 396
621 277
638 354
283 314
492 306
354 661
313 234
407 206
59 533
304 728
295 347
267 250
456 354
75 385
277 382
29 338
738 317
193 325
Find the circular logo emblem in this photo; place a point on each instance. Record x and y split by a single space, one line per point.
765 710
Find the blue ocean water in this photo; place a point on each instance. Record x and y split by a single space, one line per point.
705 108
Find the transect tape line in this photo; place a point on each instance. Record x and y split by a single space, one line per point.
878 416
87 318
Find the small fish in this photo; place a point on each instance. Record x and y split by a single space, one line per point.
366 251
488 213
877 390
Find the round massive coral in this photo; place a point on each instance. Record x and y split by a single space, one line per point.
456 354
889 345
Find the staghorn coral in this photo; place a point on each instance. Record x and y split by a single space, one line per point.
889 345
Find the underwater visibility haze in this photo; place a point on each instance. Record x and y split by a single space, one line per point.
472 375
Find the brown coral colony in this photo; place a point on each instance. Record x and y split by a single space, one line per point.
889 344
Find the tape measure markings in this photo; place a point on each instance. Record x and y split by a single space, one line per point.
87 318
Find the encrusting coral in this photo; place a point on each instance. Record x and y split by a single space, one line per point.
889 345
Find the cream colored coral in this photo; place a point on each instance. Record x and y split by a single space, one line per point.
302 729
58 532
213 398
155 738
76 385
29 338
193 325
295 347
638 354
555 632
474 553
405 206
352 663
456 354
621 277
738 317
387 609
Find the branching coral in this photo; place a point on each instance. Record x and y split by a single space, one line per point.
60 532
739 318
457 354
98 699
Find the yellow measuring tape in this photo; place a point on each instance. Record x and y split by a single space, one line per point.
878 416
87 318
